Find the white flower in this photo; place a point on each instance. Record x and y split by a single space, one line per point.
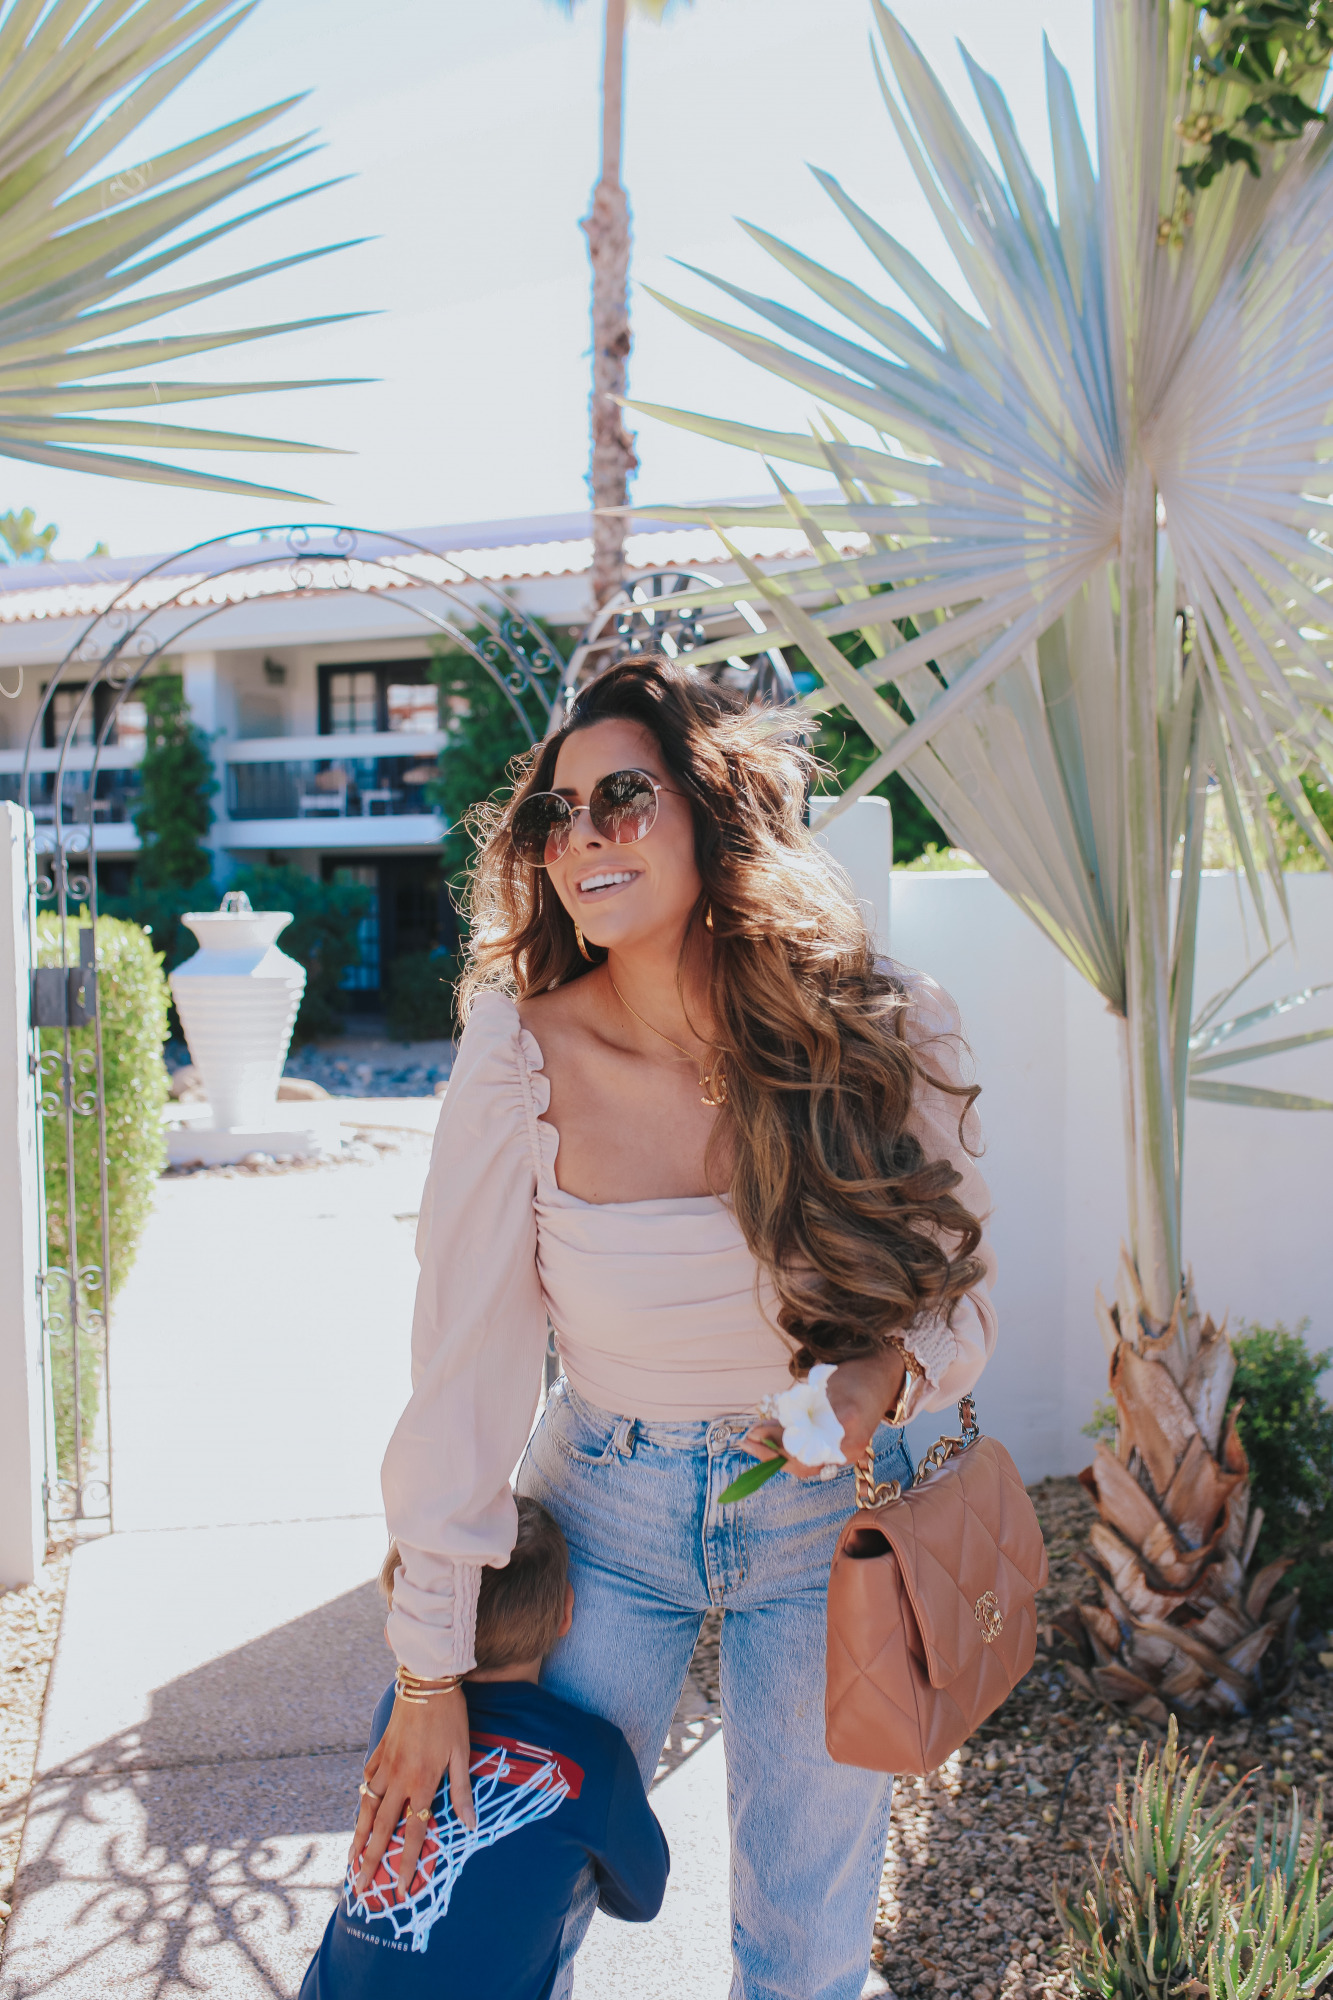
811 1433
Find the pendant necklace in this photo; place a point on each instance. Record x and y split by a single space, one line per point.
714 1088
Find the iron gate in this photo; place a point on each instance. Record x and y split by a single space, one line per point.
61 790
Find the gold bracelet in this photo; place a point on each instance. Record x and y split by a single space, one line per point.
417 1690
897 1416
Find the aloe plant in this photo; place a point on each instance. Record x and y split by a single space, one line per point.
1083 531
1170 1913
79 246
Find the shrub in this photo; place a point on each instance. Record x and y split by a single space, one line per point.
176 783
1167 1913
1286 1428
133 1000
159 911
484 736
322 936
420 1005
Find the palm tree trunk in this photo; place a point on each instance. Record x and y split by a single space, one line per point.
1154 1162
607 228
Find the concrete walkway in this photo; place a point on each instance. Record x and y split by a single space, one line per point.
221 1653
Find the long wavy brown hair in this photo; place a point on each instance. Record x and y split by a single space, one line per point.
860 1232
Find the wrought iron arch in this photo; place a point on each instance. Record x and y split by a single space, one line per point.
631 623
149 616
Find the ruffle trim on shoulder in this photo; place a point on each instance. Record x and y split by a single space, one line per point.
512 1048
537 1098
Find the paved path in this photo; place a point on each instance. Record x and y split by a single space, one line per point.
221 1653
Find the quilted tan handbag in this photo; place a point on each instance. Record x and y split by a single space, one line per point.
932 1616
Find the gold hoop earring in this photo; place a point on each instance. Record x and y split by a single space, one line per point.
578 936
708 918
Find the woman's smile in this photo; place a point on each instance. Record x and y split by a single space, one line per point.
599 883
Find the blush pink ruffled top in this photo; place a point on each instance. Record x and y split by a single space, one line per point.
658 1308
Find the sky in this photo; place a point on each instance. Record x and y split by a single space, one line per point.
464 141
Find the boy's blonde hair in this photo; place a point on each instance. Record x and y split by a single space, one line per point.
519 1607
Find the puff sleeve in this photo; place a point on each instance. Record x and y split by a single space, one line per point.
951 1352
478 1341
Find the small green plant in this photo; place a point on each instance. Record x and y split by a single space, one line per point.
1103 1426
132 996
936 860
420 1004
322 937
1286 1428
1168 1913
176 784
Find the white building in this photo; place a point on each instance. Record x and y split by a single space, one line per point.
317 700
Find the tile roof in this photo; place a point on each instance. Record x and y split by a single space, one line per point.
496 552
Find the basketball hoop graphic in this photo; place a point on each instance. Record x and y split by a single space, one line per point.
513 1785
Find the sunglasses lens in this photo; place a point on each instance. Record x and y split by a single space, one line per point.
623 806
540 829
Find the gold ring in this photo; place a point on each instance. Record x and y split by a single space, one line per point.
423 1815
365 1792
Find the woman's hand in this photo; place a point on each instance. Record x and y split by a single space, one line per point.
860 1393
422 1742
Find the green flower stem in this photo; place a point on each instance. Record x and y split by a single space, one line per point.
750 1481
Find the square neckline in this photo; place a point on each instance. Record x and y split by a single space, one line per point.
530 1050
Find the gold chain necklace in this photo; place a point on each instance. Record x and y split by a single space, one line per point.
714 1088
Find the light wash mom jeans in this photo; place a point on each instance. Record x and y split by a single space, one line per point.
650 1553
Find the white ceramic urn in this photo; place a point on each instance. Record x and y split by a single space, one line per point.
237 1000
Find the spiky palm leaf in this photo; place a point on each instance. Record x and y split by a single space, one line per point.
1094 566
76 81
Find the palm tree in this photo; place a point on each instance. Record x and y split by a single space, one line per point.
612 458
77 251
1089 528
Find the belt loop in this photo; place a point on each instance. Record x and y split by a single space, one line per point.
624 1436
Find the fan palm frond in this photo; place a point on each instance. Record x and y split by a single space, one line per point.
75 83
1085 532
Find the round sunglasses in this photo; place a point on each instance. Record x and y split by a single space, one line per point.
622 807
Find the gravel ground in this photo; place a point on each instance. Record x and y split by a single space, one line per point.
29 1622
371 1067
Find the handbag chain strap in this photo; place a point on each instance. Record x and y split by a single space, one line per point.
869 1494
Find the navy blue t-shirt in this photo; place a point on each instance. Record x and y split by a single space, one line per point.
554 1789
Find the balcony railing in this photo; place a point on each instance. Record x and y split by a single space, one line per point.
113 802
335 787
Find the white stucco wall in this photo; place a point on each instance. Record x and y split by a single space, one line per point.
1258 1183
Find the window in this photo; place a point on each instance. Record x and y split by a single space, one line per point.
64 711
353 703
413 707
131 725
128 730
377 697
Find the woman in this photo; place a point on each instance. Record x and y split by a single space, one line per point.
716 1144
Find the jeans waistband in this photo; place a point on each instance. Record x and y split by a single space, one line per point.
703 1434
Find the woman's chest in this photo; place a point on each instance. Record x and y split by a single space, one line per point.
632 1131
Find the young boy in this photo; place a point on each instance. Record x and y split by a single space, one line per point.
554 1789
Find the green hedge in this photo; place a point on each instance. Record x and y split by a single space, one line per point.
420 1002
133 1000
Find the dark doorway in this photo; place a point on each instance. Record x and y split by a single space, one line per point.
409 912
